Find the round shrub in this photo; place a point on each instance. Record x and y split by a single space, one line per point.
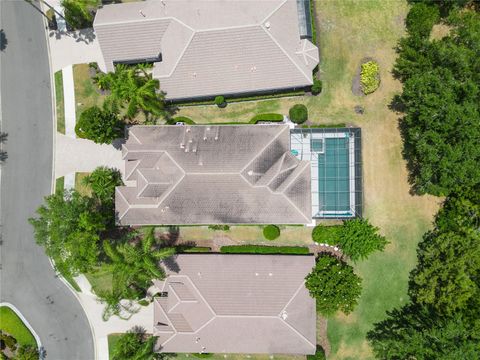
271 232
316 87
298 113
370 77
220 101
326 234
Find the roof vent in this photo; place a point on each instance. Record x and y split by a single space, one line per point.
284 315
141 13
267 24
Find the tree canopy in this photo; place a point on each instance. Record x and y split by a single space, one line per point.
441 125
99 125
334 286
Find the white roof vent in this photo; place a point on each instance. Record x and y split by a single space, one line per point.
267 24
284 315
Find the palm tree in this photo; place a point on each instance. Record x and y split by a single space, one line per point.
103 181
134 89
136 264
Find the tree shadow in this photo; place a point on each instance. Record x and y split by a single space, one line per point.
84 35
3 40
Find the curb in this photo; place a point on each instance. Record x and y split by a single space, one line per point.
25 322
52 190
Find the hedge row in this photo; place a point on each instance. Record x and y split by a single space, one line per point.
266 117
262 249
183 119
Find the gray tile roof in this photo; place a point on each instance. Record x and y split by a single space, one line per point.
207 174
236 304
245 46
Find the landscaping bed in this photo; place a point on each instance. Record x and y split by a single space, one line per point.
263 249
11 324
59 102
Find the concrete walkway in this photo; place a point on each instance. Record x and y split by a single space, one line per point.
94 310
81 155
69 101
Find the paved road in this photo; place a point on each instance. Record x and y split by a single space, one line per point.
27 279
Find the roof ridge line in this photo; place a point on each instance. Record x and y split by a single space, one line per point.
285 53
263 149
298 333
117 190
290 201
273 12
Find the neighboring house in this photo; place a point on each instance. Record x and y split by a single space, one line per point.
218 303
204 48
207 174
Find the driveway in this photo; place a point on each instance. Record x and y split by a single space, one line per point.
26 278
81 155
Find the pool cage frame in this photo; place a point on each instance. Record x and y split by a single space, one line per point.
301 144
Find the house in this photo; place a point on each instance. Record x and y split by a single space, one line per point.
204 48
207 174
219 303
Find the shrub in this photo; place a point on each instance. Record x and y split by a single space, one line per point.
183 119
319 354
220 101
100 125
271 232
421 18
358 239
327 234
9 341
316 87
219 227
27 353
103 181
370 77
262 249
78 13
266 117
298 113
334 286
144 302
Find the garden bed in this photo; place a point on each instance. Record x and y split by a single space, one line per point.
11 324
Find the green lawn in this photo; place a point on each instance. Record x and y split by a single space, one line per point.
181 356
112 341
79 186
101 279
11 324
59 102
86 92
349 31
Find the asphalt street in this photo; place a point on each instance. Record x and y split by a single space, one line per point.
26 277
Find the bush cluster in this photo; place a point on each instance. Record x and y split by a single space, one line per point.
9 341
263 249
421 18
219 227
298 113
271 232
316 87
100 125
370 77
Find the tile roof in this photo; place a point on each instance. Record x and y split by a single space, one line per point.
247 46
205 174
255 304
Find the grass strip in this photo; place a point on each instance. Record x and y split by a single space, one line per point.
59 102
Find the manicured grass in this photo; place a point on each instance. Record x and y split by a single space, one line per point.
112 341
59 184
13 325
101 279
59 102
86 92
72 282
79 186
262 249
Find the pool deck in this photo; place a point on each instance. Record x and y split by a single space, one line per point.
301 143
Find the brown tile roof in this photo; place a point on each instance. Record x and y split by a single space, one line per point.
236 304
245 46
207 174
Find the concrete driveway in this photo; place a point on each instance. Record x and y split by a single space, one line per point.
27 279
80 155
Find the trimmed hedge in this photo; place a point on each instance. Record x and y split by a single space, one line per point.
271 232
327 234
370 77
263 249
219 227
298 113
266 117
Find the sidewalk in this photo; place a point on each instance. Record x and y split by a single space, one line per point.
94 310
69 101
